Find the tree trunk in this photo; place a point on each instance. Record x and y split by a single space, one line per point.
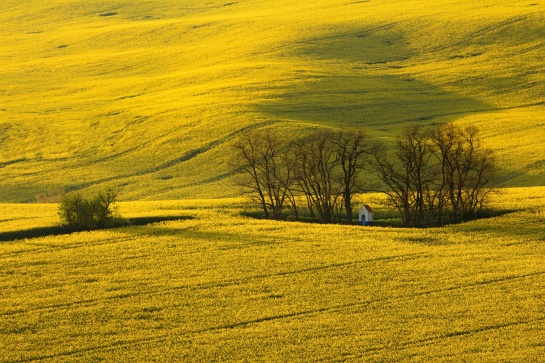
348 206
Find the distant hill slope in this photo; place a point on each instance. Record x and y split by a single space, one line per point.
147 95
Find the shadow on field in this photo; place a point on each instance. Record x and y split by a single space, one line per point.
384 219
387 219
59 230
32 233
362 98
144 221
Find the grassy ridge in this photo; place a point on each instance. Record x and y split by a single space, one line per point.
147 95
227 288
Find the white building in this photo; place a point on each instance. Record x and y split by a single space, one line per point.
365 215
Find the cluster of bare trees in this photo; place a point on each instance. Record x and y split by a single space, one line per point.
436 176
322 168
431 177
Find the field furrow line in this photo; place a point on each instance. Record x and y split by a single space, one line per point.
453 334
483 31
211 285
338 307
477 284
177 334
371 302
110 346
248 279
69 246
245 280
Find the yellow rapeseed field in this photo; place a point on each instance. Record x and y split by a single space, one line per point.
148 95
222 287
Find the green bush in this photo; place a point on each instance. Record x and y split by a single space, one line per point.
80 214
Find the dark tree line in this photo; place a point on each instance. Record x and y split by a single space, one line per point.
431 177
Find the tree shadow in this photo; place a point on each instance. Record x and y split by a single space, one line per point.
383 219
60 230
32 233
144 221
362 97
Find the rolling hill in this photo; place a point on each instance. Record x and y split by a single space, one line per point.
146 96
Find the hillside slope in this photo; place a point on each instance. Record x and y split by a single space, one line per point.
147 96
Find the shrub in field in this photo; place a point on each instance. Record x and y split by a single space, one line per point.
80 214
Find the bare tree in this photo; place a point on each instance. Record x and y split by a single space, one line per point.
261 159
317 174
436 177
467 170
396 182
352 152
288 179
408 176
247 161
